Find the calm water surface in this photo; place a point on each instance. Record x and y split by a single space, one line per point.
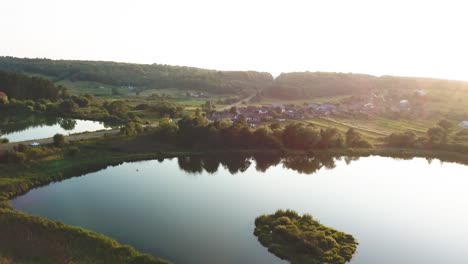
37 127
401 211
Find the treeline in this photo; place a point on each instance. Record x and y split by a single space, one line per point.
141 75
23 87
197 132
300 85
443 136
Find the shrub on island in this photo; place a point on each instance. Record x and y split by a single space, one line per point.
301 239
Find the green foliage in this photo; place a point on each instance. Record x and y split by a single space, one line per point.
301 239
300 85
167 130
355 140
299 136
68 106
165 108
131 128
13 156
208 107
402 140
117 108
197 131
153 76
19 86
437 135
59 140
81 101
29 239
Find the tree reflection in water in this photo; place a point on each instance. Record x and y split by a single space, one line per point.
307 164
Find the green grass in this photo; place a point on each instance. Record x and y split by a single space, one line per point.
29 239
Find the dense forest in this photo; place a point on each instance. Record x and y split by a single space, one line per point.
20 86
142 76
301 85
294 85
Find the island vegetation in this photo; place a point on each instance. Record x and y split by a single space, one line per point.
302 239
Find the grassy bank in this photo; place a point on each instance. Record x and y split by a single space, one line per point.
28 239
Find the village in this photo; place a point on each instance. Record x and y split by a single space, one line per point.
376 104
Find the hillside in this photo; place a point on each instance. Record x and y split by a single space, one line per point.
140 76
99 77
301 85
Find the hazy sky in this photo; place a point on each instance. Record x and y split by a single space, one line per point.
417 38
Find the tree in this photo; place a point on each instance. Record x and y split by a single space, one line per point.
59 140
67 124
167 129
68 106
447 126
401 140
436 135
233 110
354 139
118 108
208 107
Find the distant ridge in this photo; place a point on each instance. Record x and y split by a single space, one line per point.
293 85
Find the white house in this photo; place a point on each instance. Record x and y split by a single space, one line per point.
463 124
421 93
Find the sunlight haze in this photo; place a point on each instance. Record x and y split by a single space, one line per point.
408 38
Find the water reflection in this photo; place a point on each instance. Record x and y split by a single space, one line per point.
306 164
238 163
67 124
21 122
22 127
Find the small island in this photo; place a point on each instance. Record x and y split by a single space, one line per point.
301 239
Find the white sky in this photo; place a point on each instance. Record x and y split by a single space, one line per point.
412 38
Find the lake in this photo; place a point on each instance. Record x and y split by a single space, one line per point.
202 210
30 127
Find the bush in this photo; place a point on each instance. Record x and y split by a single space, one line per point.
406 139
21 148
59 140
301 239
15 157
4 140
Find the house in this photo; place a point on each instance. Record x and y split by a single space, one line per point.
420 93
404 103
463 124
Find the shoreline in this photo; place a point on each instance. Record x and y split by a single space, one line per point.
18 179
